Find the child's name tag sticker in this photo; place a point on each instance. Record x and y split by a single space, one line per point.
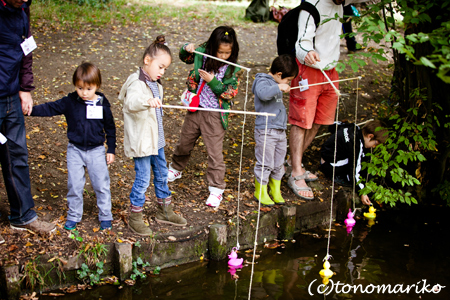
3 139
28 45
303 85
94 112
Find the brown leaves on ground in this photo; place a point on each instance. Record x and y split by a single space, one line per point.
116 49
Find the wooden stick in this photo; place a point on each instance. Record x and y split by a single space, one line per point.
221 110
224 61
326 82
328 133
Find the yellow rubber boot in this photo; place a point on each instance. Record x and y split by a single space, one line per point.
262 189
275 191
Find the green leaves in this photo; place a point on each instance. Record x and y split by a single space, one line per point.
138 265
403 150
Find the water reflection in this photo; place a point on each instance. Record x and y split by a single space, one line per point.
400 248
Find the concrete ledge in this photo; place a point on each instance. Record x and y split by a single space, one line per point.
180 247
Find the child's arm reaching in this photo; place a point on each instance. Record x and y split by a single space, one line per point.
154 102
265 92
49 109
365 200
187 53
285 88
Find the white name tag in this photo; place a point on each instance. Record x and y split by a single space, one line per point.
94 112
3 139
28 45
302 83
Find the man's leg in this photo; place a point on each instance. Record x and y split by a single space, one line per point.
299 141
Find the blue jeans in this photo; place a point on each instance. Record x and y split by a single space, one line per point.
14 161
143 166
94 161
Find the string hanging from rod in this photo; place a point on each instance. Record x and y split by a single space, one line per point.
242 136
255 244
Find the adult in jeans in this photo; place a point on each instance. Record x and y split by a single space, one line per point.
316 48
16 84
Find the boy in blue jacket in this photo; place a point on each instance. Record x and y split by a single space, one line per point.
268 90
89 120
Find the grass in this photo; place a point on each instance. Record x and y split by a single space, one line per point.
121 12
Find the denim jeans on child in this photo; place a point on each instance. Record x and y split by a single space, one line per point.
143 166
14 161
94 161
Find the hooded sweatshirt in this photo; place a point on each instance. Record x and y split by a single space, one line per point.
269 98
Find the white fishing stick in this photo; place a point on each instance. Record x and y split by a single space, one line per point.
221 110
329 80
224 61
326 82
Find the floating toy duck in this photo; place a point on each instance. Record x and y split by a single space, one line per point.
234 261
371 214
350 222
326 272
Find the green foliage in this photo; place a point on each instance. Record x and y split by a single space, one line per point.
32 276
443 190
382 28
77 13
390 180
94 254
75 235
92 275
138 266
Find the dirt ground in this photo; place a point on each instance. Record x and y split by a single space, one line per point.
117 51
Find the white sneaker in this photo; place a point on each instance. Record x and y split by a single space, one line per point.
215 197
173 174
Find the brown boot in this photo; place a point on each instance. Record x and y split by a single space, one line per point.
137 225
36 226
165 214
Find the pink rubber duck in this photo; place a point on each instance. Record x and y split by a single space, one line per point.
234 261
350 222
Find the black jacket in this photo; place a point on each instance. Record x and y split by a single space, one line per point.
346 152
15 68
84 133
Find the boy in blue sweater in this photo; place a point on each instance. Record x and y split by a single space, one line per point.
89 120
268 90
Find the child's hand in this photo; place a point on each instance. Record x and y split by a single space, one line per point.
110 158
190 48
365 200
205 75
154 102
284 87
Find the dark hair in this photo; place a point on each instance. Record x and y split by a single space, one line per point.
379 135
88 73
158 45
285 64
221 35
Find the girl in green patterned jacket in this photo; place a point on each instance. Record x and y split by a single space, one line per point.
217 83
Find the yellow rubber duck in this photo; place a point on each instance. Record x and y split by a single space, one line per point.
371 214
326 272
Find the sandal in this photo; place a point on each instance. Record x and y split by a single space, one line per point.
307 178
296 189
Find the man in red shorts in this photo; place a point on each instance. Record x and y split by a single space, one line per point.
310 107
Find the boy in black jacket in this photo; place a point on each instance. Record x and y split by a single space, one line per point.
89 120
345 170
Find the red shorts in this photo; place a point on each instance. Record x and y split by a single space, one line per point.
318 103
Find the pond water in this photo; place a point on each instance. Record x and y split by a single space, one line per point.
404 247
